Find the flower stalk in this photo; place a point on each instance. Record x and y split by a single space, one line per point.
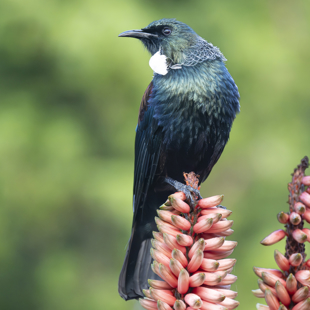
190 255
288 286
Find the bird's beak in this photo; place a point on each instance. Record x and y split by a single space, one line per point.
139 34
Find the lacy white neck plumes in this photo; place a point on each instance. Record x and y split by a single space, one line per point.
199 52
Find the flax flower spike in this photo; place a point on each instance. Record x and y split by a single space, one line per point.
288 288
190 253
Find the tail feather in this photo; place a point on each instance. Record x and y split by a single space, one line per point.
136 270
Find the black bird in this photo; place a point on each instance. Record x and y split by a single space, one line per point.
184 123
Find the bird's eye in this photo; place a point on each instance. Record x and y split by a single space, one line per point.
166 31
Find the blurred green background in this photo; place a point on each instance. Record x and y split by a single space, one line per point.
70 91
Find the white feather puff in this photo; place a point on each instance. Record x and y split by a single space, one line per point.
158 63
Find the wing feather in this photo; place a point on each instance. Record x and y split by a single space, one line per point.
147 151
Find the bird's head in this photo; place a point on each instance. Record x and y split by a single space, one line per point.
171 37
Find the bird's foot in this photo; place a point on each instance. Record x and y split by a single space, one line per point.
222 207
191 193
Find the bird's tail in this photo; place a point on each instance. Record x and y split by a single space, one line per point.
136 269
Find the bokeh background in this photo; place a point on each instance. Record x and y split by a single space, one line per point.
70 91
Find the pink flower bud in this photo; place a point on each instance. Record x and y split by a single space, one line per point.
265 287
179 305
179 204
271 300
307 232
227 292
179 195
203 226
214 243
165 216
161 247
217 255
184 240
160 285
155 267
227 246
224 212
303 305
271 279
303 276
220 226
258 293
283 218
158 236
296 259
224 233
198 245
148 304
209 265
168 230
166 207
210 202
295 218
306 215
299 236
172 243
177 254
226 263
183 281
281 261
214 216
168 276
164 223
258 271
301 294
193 301
160 257
212 279
305 198
180 222
197 279
306 180
230 303
300 208
291 284
195 261
163 296
209 295
282 293
175 266
308 263
274 237
209 306
161 305
229 279
147 294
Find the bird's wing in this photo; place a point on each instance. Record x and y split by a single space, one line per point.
147 150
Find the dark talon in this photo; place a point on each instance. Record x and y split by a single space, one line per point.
186 189
222 207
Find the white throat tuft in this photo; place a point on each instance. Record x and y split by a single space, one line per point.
158 63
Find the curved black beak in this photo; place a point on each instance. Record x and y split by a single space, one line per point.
139 34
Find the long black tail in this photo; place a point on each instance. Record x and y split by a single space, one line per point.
136 269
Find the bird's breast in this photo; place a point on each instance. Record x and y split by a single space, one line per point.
193 105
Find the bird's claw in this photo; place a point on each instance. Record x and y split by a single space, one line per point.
192 194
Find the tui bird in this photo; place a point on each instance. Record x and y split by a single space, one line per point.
185 118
